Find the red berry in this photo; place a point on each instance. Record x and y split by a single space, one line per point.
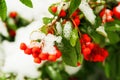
86 38
43 56
106 15
37 60
62 13
52 58
58 54
78 63
36 50
23 46
116 11
91 45
102 12
13 14
35 55
83 46
12 33
86 51
77 20
28 51
74 14
54 9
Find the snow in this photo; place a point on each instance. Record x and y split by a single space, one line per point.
59 27
67 30
49 42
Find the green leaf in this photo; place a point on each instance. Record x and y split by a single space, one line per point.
3 9
78 51
113 37
69 54
97 38
114 26
107 69
47 20
74 37
27 3
21 22
44 29
54 74
74 4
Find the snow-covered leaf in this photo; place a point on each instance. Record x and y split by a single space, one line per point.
87 11
59 28
101 31
67 30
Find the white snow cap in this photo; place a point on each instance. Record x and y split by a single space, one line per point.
67 29
35 35
101 30
49 42
87 11
63 5
59 27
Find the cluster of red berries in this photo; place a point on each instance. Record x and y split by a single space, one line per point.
91 51
38 55
62 12
76 17
107 14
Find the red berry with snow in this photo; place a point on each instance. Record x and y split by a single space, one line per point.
106 15
116 11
